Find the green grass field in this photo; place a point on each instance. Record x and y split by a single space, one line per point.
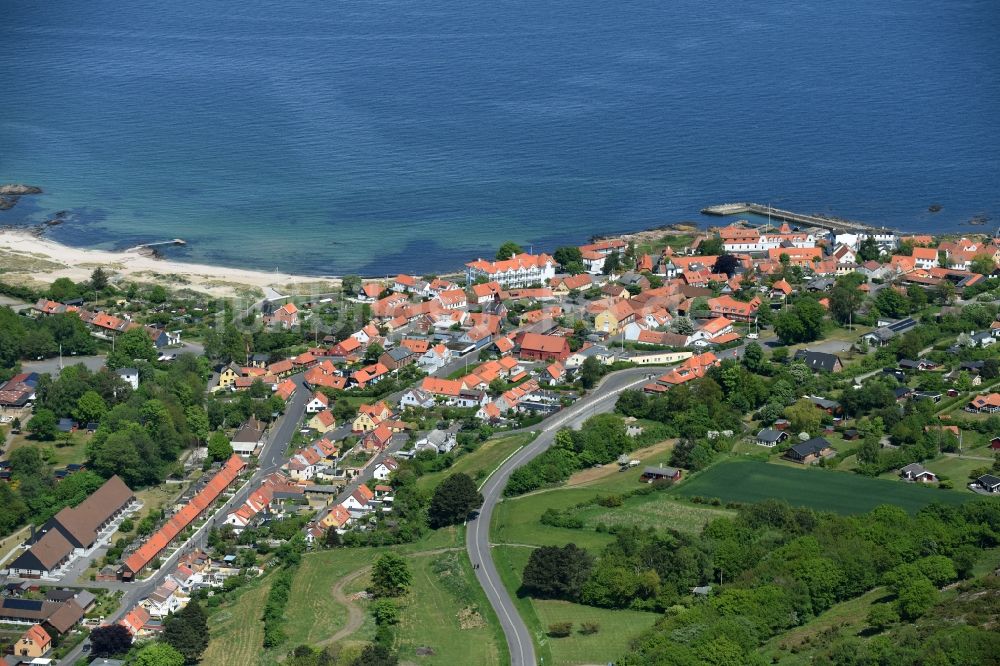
314 614
480 462
823 490
956 469
445 609
58 453
617 627
658 510
517 520
237 631
447 612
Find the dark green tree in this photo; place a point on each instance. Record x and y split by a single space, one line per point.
557 573
454 499
612 264
187 632
373 352
391 576
591 372
219 448
98 279
567 255
110 640
131 346
711 247
508 250
43 425
869 250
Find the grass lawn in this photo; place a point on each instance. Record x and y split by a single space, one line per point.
58 453
752 481
617 627
445 609
517 520
956 469
846 619
313 614
155 497
658 510
237 631
610 479
480 462
447 612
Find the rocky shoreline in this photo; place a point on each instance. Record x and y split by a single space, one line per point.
11 193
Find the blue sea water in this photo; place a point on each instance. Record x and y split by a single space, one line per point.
382 136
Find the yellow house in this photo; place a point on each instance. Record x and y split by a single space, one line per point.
369 416
323 422
612 320
228 376
34 643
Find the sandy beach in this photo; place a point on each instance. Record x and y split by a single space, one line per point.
28 259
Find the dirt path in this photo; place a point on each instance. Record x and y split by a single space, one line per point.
355 614
592 474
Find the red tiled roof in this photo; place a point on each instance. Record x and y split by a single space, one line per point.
147 552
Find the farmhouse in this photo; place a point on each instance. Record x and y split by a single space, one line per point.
33 643
984 403
810 451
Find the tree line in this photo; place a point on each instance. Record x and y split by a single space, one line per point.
770 568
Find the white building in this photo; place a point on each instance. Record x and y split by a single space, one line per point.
130 376
521 270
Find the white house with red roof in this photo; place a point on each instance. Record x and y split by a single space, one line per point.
359 502
385 469
319 402
521 270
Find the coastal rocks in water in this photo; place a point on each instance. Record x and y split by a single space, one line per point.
934 208
19 189
9 194
979 220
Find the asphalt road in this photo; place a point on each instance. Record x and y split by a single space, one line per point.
271 457
96 362
519 643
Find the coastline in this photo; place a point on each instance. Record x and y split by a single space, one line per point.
29 259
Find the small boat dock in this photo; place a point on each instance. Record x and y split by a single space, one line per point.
835 224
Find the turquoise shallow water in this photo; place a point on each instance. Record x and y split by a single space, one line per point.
380 136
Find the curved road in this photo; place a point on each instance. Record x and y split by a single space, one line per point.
602 399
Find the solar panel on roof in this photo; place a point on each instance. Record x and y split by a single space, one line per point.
23 604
